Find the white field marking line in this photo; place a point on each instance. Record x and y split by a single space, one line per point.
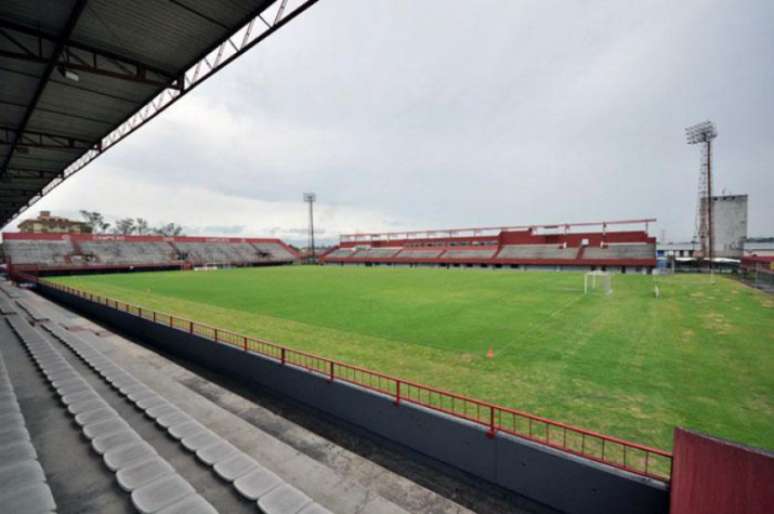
550 316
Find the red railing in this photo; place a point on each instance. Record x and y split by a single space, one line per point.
619 453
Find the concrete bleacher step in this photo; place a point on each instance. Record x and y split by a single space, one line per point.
108 442
29 311
31 499
185 429
23 486
9 290
283 499
142 473
161 493
6 309
234 467
99 422
256 483
190 505
271 494
128 455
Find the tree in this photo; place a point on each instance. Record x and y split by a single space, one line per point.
124 227
95 221
141 226
170 229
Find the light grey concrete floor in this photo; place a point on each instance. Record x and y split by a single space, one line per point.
341 467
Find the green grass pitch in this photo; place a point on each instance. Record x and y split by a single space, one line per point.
629 364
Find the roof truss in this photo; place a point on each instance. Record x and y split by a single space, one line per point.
59 54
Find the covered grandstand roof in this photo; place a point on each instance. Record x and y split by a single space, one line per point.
77 76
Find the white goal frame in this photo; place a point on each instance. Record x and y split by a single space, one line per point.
599 280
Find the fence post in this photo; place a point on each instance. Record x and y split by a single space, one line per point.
190 327
216 335
245 342
397 393
282 356
491 432
154 315
171 323
330 376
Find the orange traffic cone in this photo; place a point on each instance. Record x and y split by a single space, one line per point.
490 353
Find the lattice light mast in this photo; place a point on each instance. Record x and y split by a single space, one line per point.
310 198
703 133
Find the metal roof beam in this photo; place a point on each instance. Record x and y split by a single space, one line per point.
29 173
70 84
94 66
246 35
58 48
40 36
35 139
19 194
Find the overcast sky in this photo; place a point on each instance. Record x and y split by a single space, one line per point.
430 114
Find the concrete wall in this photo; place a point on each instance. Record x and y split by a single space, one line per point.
729 218
567 483
714 476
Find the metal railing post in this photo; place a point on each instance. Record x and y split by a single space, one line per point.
397 393
491 432
282 356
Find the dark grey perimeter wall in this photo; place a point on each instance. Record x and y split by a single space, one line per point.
569 484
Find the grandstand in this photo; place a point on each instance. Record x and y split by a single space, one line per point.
109 406
49 253
570 247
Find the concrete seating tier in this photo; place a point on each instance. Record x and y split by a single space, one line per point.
122 252
621 251
123 450
248 477
537 252
420 253
38 252
469 254
23 486
341 252
275 251
375 253
234 253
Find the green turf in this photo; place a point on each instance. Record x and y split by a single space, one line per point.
630 365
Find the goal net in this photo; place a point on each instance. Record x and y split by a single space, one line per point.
600 281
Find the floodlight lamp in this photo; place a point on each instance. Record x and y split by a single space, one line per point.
310 197
701 132
69 74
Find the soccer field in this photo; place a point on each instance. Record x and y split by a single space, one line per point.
629 364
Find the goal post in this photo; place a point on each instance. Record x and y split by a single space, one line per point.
597 280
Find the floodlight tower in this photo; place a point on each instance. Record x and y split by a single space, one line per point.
310 198
703 133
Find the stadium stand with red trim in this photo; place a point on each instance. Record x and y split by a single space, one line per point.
759 262
49 253
538 247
